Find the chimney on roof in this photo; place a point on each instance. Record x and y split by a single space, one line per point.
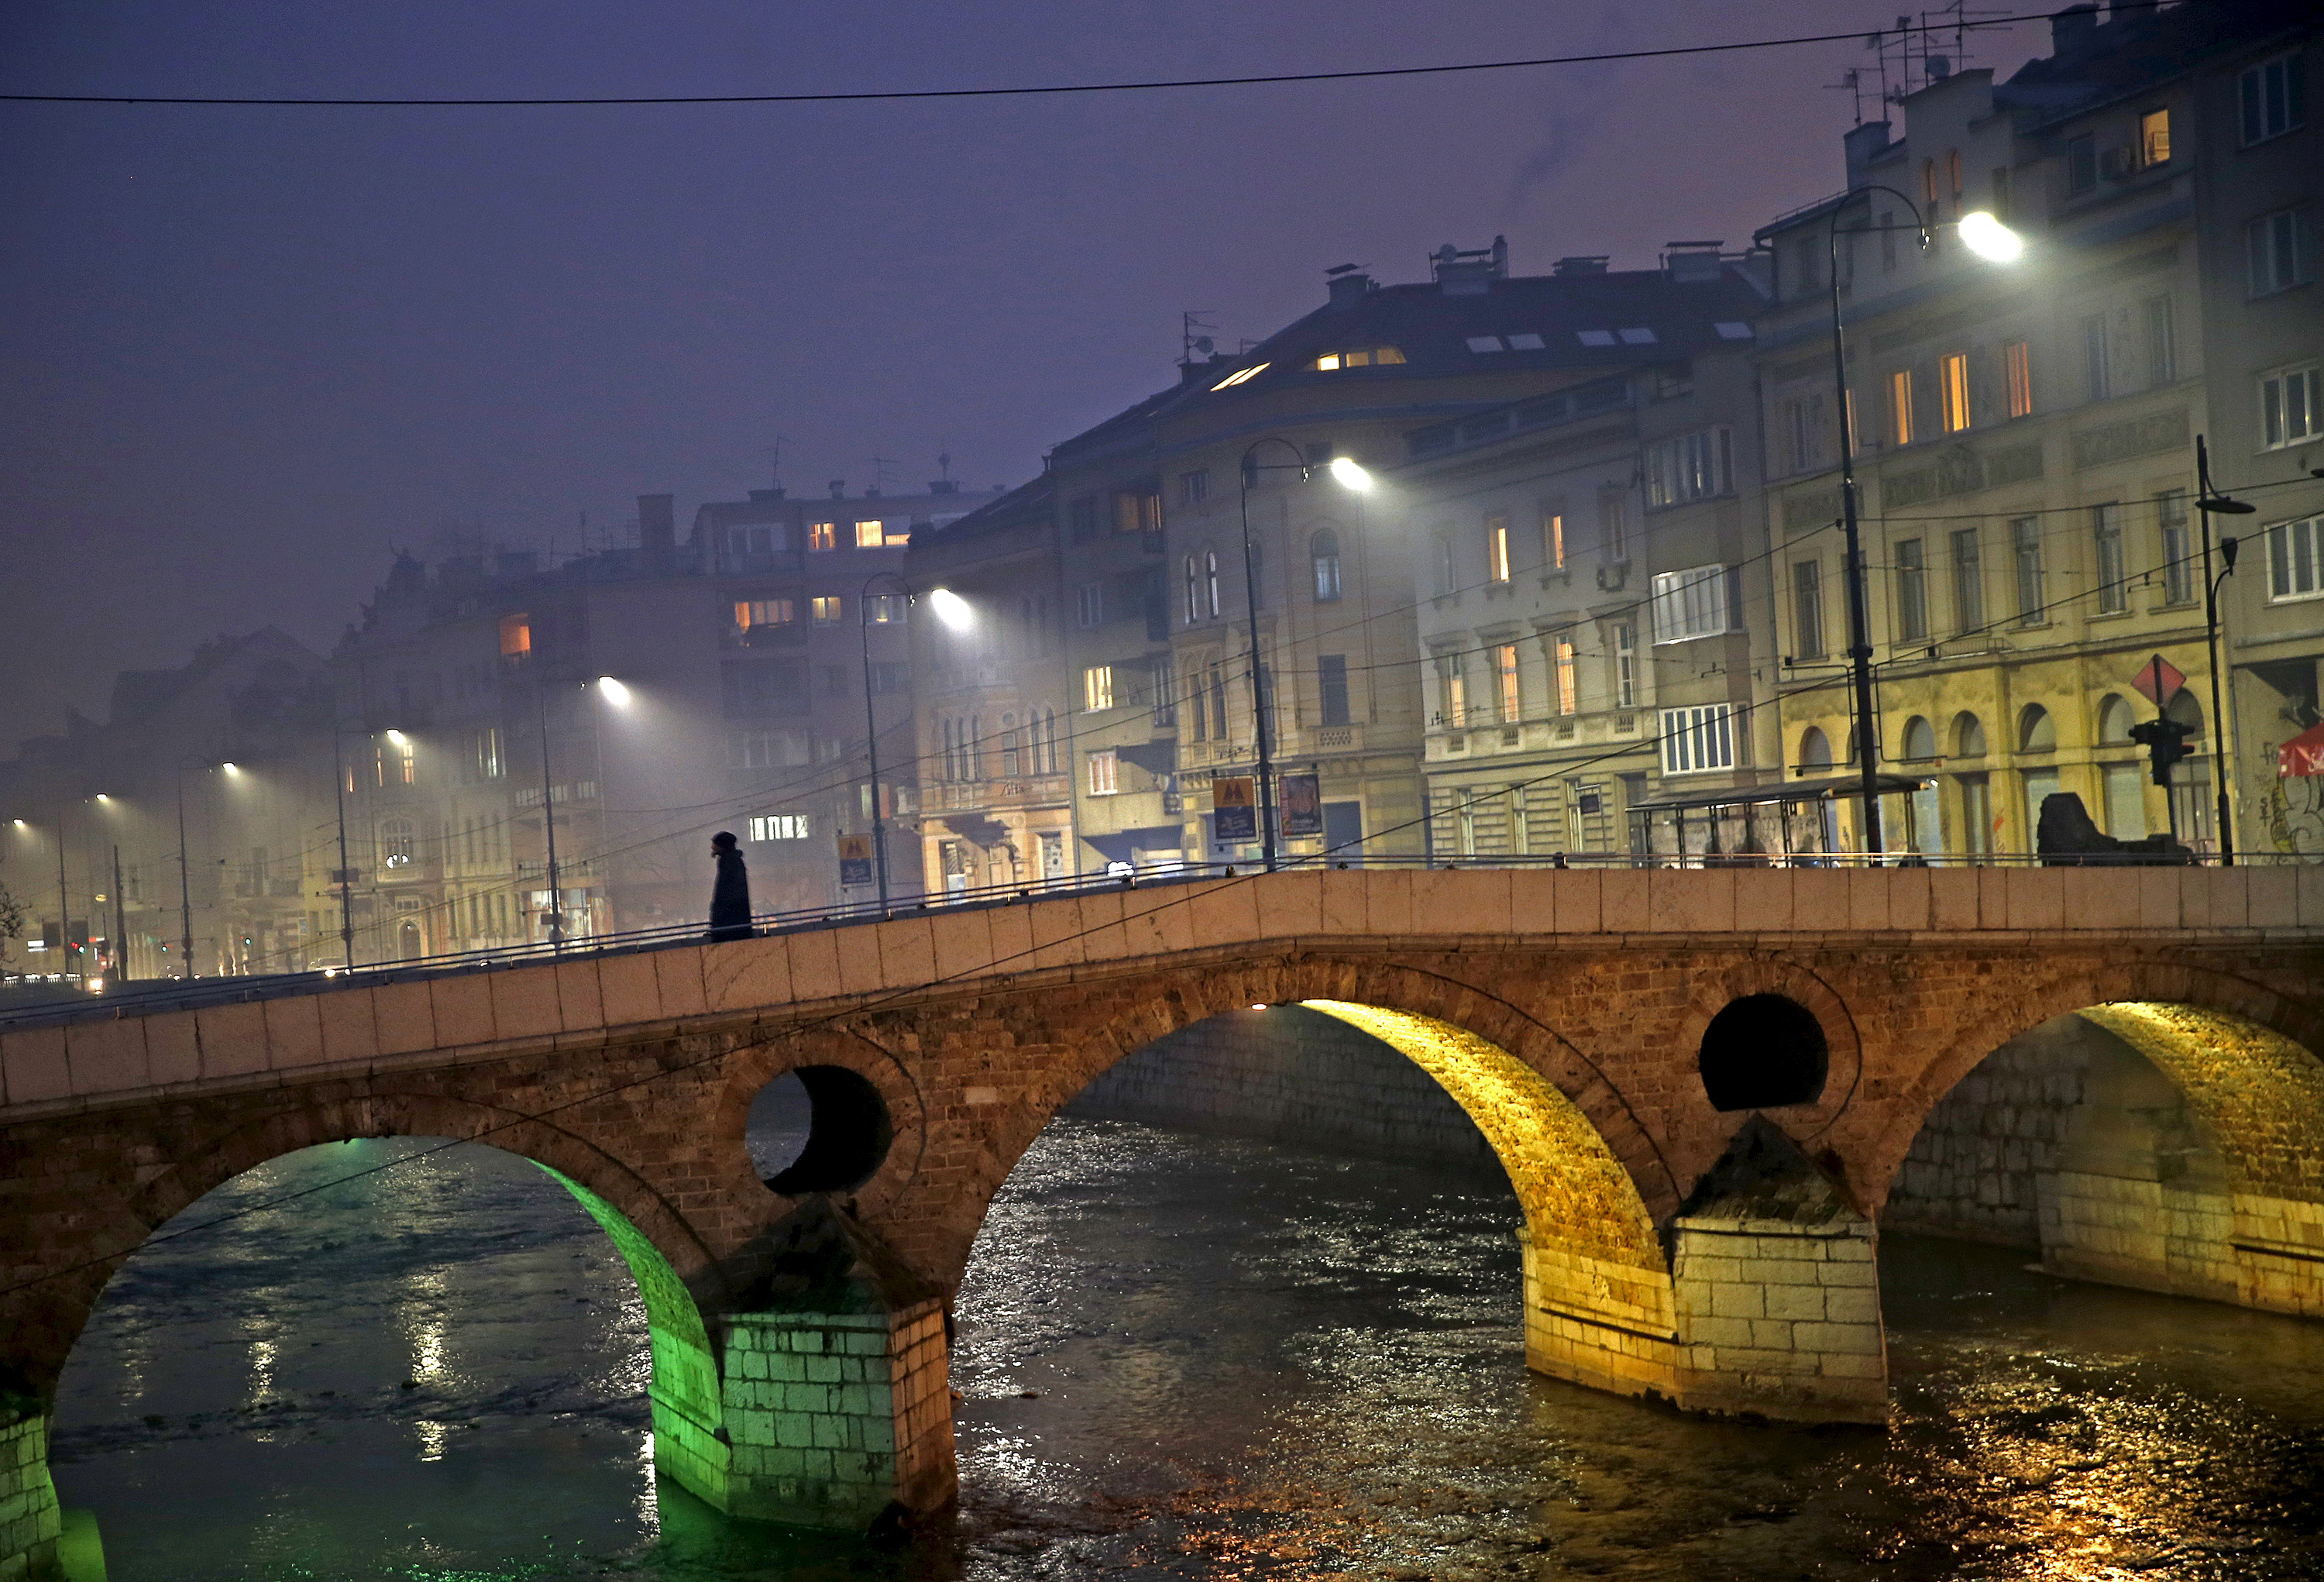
1581 263
1859 144
1692 263
1347 284
657 526
1470 273
838 488
2073 30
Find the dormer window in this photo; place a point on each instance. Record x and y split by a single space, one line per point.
1358 357
1525 341
1241 376
1638 337
1486 343
1594 337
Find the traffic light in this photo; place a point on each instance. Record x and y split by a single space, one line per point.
2165 740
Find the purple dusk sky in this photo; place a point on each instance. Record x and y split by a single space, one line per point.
248 352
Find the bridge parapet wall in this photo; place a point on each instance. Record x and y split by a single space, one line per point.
458 1016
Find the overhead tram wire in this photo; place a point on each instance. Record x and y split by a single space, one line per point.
1036 90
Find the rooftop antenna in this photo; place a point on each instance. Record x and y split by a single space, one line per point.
881 468
1851 83
944 465
775 462
1192 345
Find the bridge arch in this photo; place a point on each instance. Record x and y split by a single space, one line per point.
674 1273
1980 1024
2156 1133
1598 1299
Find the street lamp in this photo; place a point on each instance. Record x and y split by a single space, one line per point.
870 720
1991 240
2210 503
1348 474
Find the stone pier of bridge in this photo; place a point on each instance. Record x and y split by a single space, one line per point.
1704 1085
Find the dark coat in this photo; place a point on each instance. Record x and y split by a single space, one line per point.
730 899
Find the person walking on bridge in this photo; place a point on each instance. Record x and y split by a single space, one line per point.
730 894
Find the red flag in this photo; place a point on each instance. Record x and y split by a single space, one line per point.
2303 754
2160 681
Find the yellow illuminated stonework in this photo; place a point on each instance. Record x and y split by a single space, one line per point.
1571 1188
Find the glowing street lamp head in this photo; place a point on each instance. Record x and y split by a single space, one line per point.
231 767
612 691
1348 474
952 610
1989 239
103 798
398 737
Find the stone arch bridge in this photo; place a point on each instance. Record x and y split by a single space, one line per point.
1702 1083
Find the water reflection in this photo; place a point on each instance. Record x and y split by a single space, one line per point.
1180 1357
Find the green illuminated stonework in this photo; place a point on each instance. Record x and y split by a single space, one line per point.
689 1447
836 1416
29 1519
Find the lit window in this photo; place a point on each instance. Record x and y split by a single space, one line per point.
2270 97
1506 693
886 610
395 843
1497 548
826 608
1563 665
764 612
1953 391
1486 343
1689 604
2155 138
1900 406
2295 560
822 535
1553 540
1240 375
1360 358
779 827
1638 337
1594 337
1105 773
516 636
2291 406
870 535
1097 688
1453 678
1210 578
1699 738
2017 358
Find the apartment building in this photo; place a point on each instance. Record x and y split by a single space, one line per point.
2024 437
1592 605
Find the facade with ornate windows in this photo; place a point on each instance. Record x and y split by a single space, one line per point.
2024 435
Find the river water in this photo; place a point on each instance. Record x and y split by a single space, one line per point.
1180 1357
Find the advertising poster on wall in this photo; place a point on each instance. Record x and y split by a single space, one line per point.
855 859
1234 802
1303 805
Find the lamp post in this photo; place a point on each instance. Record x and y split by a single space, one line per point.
346 874
1989 238
185 888
871 723
2209 502
1348 474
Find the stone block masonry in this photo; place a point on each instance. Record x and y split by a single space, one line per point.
1781 1318
29 1520
833 1416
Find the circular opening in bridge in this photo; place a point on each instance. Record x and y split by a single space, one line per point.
1761 1052
817 1129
